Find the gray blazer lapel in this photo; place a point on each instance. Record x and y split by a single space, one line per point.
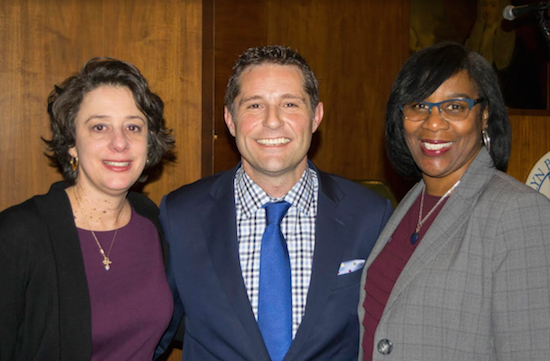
452 217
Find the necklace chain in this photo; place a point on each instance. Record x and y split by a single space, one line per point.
106 260
422 220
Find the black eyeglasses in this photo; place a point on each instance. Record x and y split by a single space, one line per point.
453 110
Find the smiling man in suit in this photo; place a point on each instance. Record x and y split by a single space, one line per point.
266 258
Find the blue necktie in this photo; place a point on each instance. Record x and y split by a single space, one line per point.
275 295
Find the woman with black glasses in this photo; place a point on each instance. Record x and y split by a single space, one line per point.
461 271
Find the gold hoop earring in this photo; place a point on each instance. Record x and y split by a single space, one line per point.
74 163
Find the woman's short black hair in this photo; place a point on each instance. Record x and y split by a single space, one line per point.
421 75
64 104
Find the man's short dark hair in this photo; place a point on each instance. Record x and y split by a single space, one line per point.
272 54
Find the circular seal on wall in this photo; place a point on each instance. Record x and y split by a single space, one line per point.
539 178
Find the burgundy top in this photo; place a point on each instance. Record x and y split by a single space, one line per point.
131 303
388 265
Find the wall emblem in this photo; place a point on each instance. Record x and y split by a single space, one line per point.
539 178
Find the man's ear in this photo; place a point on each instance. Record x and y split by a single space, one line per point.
229 120
317 117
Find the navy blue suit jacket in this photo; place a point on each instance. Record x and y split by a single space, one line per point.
209 291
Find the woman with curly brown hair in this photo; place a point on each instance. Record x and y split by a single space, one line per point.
82 273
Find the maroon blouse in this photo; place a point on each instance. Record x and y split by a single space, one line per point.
388 265
131 303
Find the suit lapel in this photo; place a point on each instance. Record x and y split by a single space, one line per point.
331 236
221 238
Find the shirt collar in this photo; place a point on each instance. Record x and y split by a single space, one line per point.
250 196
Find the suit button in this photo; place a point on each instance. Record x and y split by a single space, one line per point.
385 346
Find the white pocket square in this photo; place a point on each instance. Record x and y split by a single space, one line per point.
350 266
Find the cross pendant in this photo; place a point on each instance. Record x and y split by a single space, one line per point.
107 262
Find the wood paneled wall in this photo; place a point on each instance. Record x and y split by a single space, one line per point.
43 42
238 26
355 55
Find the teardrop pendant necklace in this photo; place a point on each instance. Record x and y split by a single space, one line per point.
416 235
106 260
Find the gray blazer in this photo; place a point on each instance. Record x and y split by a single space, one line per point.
478 285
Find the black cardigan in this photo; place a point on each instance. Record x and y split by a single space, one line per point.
44 301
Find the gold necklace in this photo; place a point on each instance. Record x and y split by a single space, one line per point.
106 260
416 235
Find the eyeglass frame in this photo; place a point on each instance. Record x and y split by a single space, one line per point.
471 104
